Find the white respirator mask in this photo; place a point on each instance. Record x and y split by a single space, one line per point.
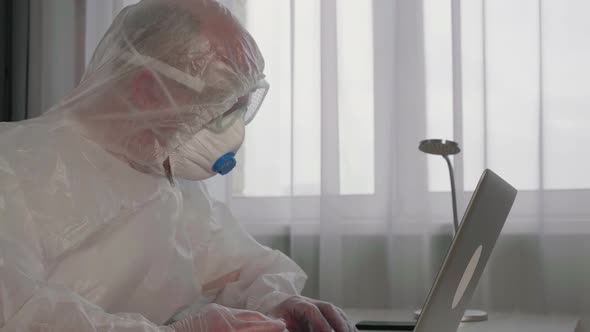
208 153
212 149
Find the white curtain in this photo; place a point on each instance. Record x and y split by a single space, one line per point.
330 172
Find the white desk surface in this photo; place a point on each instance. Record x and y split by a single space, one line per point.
500 322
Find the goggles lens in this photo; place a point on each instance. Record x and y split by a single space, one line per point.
246 112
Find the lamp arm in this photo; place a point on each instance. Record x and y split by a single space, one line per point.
454 197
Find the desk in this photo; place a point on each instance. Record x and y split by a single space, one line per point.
501 322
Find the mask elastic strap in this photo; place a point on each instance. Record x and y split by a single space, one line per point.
168 170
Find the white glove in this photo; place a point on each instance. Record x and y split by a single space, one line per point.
305 315
216 318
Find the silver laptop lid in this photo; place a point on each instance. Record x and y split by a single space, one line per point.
468 255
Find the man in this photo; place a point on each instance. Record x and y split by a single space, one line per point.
103 223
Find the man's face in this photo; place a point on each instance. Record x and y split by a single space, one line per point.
191 148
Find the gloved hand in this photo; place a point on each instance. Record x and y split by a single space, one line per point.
216 318
303 314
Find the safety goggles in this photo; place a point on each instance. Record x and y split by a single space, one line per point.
246 110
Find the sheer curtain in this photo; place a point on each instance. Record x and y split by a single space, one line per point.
332 175
330 172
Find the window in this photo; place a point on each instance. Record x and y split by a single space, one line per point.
525 88
439 88
355 97
566 77
282 154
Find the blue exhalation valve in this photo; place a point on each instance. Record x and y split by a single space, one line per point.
225 164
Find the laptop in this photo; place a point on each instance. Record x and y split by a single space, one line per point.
465 261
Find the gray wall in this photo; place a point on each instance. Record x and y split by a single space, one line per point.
56 58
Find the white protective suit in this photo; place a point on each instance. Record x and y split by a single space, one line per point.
88 243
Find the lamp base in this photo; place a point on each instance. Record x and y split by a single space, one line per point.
469 316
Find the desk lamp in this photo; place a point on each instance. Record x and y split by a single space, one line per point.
446 148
